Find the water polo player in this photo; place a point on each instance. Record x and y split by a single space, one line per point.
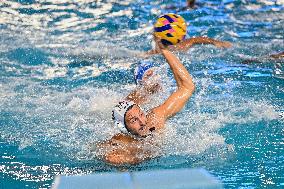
147 78
144 71
135 124
171 28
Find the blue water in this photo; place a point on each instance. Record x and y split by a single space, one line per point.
63 65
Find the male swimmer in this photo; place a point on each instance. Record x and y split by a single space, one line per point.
147 79
144 71
136 125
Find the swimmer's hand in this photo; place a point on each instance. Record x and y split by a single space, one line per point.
152 88
223 44
159 44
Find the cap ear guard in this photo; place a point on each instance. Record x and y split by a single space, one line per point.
121 127
118 114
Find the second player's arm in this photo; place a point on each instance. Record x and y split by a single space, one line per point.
186 44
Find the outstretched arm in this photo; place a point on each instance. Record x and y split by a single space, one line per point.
185 88
186 44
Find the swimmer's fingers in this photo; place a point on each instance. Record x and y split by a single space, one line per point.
159 44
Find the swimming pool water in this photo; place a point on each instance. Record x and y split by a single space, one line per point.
63 65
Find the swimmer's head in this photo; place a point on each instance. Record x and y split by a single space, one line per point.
130 118
145 73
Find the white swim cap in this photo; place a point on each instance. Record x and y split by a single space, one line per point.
118 114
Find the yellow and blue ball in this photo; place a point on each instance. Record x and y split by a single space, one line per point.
170 28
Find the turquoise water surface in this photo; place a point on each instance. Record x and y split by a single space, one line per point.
64 64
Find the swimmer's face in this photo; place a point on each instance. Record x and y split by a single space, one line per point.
135 120
148 74
151 77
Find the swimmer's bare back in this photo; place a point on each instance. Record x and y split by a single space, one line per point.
128 149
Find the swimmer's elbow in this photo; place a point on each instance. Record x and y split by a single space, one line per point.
189 88
192 87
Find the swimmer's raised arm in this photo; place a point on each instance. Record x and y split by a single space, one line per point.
185 87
